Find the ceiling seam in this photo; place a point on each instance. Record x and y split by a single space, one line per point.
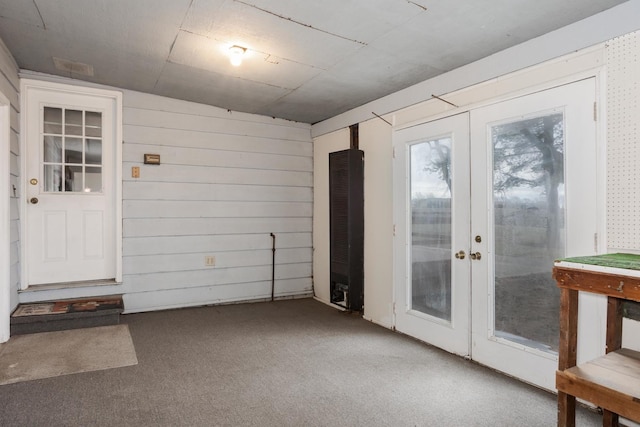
175 39
44 26
300 23
416 4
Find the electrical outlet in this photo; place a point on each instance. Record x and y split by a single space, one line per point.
135 172
209 261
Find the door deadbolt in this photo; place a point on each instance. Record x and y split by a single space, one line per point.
475 255
33 181
478 239
460 255
34 200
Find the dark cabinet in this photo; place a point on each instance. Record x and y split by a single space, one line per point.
346 206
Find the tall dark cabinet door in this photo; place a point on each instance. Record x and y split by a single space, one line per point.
346 205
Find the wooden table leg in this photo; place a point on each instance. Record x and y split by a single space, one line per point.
614 342
566 410
614 324
567 352
609 419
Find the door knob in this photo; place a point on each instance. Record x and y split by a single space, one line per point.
34 200
460 255
475 255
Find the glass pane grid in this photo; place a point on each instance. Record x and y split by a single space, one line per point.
71 140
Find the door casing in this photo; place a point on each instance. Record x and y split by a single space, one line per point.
5 218
28 85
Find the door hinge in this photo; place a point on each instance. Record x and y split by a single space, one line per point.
394 308
394 230
595 111
595 242
394 152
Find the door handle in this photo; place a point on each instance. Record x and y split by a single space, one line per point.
475 256
460 255
34 200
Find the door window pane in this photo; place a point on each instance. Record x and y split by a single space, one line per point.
52 149
93 125
52 178
431 228
93 153
73 122
93 179
53 120
73 150
528 194
73 179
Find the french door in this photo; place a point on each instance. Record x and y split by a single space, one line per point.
476 250
432 232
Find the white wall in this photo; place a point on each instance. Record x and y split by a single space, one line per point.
9 85
226 181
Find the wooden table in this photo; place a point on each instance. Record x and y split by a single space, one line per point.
612 381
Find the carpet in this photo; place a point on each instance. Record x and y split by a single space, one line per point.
52 354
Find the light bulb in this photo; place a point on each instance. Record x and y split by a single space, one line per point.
235 55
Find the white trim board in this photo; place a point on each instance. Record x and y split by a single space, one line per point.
5 254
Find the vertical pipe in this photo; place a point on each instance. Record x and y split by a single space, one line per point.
273 265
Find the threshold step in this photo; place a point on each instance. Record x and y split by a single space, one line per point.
60 315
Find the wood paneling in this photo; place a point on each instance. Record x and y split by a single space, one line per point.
225 182
172 298
186 244
136 190
217 175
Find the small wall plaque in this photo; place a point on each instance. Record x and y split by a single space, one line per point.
152 159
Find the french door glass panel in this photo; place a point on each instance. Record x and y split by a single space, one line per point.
528 215
431 210
431 227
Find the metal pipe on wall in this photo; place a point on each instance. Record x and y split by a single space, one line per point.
273 265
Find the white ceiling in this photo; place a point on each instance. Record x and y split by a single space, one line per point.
306 60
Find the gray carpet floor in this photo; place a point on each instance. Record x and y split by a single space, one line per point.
287 363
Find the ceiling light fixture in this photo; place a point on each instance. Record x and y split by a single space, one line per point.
236 53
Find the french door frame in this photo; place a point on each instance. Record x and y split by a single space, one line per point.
593 305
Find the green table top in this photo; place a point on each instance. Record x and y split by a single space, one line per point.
626 261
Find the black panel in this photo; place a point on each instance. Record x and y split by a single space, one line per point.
346 209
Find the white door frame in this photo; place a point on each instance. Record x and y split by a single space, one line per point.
27 85
5 218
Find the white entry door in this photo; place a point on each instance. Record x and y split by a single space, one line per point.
533 185
484 203
69 187
432 232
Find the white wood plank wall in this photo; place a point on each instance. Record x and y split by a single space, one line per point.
226 181
9 86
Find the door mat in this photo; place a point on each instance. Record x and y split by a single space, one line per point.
68 306
52 354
